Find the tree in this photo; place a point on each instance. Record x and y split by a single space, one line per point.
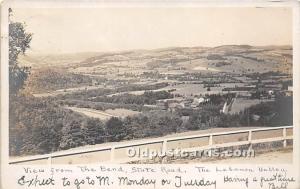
115 129
72 135
16 139
19 41
94 132
194 122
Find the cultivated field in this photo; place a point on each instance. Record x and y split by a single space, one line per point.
93 99
104 115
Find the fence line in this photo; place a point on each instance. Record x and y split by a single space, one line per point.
163 143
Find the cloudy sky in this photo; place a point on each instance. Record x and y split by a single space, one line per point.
112 29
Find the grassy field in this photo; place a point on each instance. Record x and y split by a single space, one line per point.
104 115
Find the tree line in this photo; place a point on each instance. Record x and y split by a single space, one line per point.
148 97
39 126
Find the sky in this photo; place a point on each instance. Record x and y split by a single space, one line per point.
61 30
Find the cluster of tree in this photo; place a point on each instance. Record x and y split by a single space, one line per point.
19 42
149 97
134 87
152 74
201 77
165 61
86 94
40 126
44 80
273 113
102 105
254 58
35 125
211 85
236 88
215 57
265 75
220 64
152 124
219 99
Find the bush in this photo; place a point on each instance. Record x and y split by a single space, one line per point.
115 130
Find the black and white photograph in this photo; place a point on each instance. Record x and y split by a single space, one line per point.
150 94
150 85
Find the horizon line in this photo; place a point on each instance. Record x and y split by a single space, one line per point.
32 52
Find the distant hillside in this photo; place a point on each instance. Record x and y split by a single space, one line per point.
50 60
226 58
44 80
